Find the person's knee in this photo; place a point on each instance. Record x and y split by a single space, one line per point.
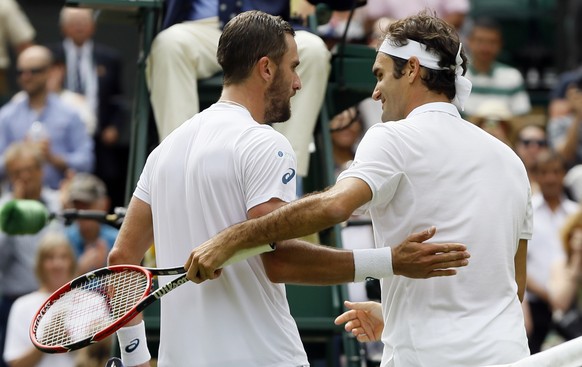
172 41
312 49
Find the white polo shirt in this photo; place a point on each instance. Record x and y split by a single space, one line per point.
202 178
434 168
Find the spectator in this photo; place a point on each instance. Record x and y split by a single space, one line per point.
451 11
346 130
54 266
559 104
495 117
529 144
94 70
550 209
16 30
564 132
90 239
491 79
43 118
566 279
23 162
75 100
185 51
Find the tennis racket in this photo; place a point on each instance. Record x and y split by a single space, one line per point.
95 305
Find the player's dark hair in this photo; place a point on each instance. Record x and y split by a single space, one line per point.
440 38
248 37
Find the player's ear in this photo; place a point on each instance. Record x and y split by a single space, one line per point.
266 68
412 69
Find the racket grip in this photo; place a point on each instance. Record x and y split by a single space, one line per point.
250 252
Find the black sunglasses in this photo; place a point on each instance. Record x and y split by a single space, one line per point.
33 71
539 142
353 118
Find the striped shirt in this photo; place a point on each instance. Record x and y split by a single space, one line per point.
503 83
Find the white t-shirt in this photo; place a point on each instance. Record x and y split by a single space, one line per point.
17 333
545 247
202 178
433 168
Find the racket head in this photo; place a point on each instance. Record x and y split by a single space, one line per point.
89 308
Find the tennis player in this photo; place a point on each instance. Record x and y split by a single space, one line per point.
424 165
224 165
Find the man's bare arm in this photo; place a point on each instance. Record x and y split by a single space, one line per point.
312 214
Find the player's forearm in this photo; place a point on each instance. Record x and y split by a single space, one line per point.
300 262
296 219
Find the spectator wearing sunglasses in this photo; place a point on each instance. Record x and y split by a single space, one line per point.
43 118
346 130
529 144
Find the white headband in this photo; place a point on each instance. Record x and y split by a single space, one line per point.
429 60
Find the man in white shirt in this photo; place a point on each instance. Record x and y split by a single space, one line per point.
425 165
551 208
493 80
221 167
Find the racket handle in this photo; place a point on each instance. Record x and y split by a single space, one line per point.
250 252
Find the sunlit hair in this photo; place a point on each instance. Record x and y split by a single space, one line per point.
47 243
440 38
248 37
19 150
572 223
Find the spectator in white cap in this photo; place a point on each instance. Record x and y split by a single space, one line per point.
495 117
91 239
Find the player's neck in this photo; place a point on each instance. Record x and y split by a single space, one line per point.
248 98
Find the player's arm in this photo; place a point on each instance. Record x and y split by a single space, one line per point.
520 268
314 213
135 236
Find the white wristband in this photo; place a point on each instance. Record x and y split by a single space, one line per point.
133 345
372 263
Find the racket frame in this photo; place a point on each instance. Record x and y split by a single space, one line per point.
147 298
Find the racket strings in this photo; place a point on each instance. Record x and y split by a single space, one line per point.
90 307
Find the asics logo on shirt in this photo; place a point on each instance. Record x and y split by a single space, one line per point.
132 345
288 176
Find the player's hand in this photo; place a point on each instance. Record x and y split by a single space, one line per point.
363 319
415 259
205 260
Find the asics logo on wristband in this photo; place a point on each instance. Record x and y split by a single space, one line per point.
132 345
288 176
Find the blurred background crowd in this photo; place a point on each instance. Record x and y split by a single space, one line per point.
68 83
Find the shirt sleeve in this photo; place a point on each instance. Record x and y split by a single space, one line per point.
142 190
379 161
267 166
